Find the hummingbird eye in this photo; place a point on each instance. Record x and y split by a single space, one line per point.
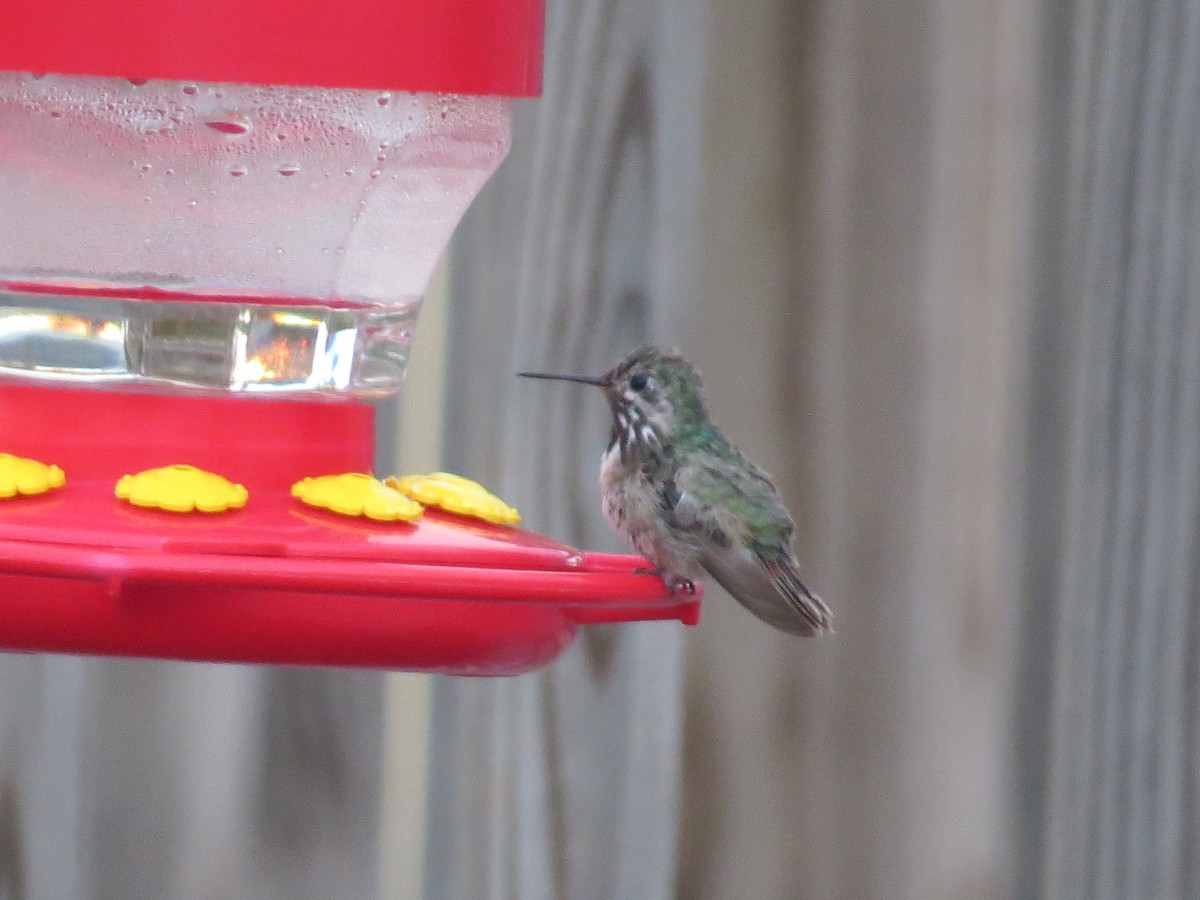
639 381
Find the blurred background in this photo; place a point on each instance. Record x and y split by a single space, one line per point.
933 259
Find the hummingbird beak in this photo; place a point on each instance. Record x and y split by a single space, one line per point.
581 379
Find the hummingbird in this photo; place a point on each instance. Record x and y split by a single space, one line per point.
684 497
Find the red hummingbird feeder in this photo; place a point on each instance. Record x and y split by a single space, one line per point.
217 222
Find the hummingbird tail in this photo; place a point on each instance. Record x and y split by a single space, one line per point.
808 605
771 589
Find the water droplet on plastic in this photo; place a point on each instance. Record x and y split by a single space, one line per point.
384 99
230 123
374 173
237 171
189 89
56 113
287 169
348 172
137 82
168 171
145 168
574 560
192 204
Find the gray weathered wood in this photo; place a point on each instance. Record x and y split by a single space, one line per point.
125 778
1122 817
564 783
1047 337
211 781
41 823
862 281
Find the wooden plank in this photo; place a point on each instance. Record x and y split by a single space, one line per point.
411 441
564 783
1121 817
1045 371
202 780
863 265
42 829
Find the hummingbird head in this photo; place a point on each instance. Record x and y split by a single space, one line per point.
652 394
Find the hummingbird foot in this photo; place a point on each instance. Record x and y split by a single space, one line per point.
675 584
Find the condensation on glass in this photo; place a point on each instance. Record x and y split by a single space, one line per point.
234 237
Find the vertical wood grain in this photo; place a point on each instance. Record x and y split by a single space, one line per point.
411 441
1045 378
42 829
863 282
201 781
564 783
1121 817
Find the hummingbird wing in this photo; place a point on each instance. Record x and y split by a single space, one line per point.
737 519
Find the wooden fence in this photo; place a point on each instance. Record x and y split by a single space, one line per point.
935 260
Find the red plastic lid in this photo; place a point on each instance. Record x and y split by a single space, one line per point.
459 46
275 581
